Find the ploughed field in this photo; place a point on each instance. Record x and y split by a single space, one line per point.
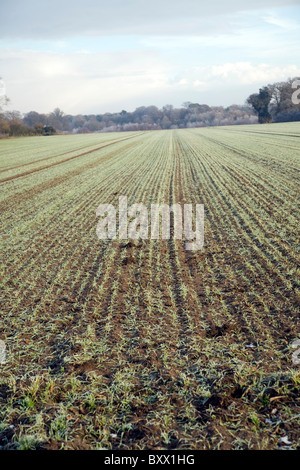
143 344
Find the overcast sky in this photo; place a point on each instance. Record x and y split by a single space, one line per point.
95 56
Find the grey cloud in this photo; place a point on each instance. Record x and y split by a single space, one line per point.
35 19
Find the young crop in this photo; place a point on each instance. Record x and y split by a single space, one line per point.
142 344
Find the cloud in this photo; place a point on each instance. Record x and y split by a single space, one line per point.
65 18
247 73
286 24
235 74
79 81
97 56
111 81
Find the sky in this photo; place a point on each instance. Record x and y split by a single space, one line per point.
95 56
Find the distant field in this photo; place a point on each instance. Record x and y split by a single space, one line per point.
142 344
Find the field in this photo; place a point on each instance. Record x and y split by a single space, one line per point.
142 344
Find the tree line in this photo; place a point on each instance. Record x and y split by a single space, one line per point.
273 103
142 118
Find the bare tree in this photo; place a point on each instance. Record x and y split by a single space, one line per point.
260 103
3 98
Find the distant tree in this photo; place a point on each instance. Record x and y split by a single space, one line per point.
167 108
49 130
276 96
14 124
58 113
32 118
143 118
282 107
56 119
67 123
260 103
78 121
17 129
39 128
166 123
186 104
93 124
4 125
3 98
13 116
